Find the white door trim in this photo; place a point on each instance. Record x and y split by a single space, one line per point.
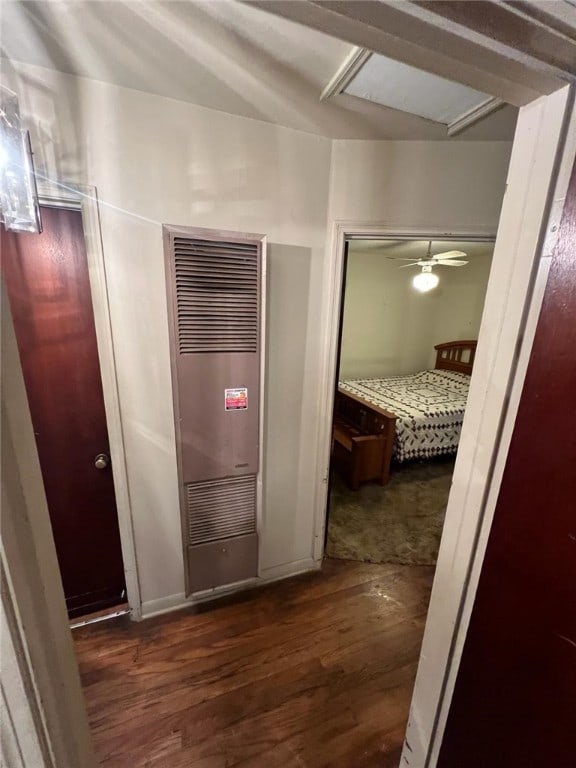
24 734
510 311
543 155
85 199
342 231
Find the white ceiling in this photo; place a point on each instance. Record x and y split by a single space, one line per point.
220 54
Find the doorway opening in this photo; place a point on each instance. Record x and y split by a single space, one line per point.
48 285
405 354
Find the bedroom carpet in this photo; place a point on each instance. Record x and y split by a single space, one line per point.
398 523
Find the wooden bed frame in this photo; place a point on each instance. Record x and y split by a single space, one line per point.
363 434
455 356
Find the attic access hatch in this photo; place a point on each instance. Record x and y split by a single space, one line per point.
396 85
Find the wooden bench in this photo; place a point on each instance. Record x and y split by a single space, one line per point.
362 440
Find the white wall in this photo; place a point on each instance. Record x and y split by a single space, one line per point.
389 328
417 183
157 160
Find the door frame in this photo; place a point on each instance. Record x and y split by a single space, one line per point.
343 232
84 198
542 157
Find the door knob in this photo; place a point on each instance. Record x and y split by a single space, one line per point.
101 461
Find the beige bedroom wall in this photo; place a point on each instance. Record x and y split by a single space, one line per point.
156 160
459 303
389 328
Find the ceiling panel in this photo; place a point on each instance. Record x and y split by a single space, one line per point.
400 86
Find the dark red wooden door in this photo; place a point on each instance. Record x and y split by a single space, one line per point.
514 705
46 278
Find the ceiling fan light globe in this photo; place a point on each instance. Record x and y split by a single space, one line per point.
425 281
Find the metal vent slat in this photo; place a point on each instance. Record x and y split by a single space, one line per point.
217 263
242 261
200 299
216 295
213 299
209 309
235 277
201 305
224 264
221 509
238 326
212 246
208 313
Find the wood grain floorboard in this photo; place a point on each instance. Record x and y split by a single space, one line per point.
312 672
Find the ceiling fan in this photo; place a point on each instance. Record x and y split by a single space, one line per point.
446 259
426 280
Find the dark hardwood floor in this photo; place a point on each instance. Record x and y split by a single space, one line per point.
312 672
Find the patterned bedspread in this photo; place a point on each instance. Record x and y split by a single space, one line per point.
429 406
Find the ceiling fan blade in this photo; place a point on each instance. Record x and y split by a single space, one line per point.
400 258
452 263
414 264
450 255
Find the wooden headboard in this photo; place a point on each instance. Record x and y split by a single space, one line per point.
456 356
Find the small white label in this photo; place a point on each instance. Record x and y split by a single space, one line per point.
236 399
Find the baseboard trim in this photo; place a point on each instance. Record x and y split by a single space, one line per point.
163 605
179 601
285 570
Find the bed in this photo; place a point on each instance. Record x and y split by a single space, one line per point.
403 417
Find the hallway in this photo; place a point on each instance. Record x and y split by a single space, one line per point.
312 672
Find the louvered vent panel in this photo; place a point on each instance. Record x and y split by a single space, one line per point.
216 295
221 509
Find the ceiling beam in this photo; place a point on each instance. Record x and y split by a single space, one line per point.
556 14
515 27
416 36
